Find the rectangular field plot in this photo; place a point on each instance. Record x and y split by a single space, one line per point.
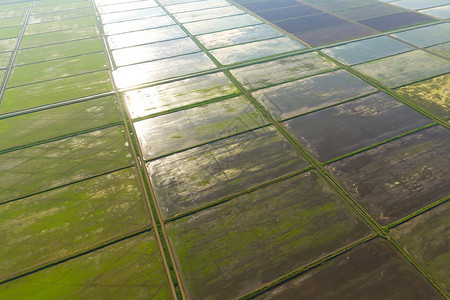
403 68
426 36
373 270
419 4
393 180
366 50
139 24
257 6
351 126
64 15
132 15
57 51
183 129
431 95
396 21
38 168
238 36
54 224
132 268
281 70
205 14
288 12
133 75
235 247
58 90
64 67
9 32
47 124
124 6
207 26
255 50
156 99
180 6
60 25
441 49
4 59
369 12
425 238
208 173
62 36
7 44
441 12
301 96
303 24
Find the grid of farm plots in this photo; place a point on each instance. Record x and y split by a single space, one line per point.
192 149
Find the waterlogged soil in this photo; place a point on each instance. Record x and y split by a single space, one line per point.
61 15
393 180
304 95
354 125
236 247
38 168
425 238
281 70
207 26
373 270
441 49
139 24
396 21
255 50
159 98
105 9
132 269
60 25
268 4
205 14
54 224
441 12
431 95
369 12
132 15
404 68
208 173
366 50
178 6
287 12
426 36
46 124
303 24
53 91
187 128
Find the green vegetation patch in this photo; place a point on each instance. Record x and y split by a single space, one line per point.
4 59
10 32
72 48
396 179
432 95
236 247
187 128
159 98
29 128
7 44
280 70
54 69
43 39
441 49
43 7
14 10
15 21
49 92
131 269
60 25
199 176
373 270
61 15
63 221
308 94
405 68
425 238
31 170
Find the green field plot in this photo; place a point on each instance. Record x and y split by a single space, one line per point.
10 32
280 70
132 14
432 95
177 6
180 93
7 22
308 94
236 247
42 7
238 36
62 36
403 68
207 26
54 69
139 24
49 165
351 126
124 6
441 49
162 69
147 36
426 36
373 270
425 238
187 128
72 48
55 224
4 59
7 12
7 44
195 177
154 51
132 268
55 91
211 13
42 125
61 15
60 25
366 50
396 179
255 50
